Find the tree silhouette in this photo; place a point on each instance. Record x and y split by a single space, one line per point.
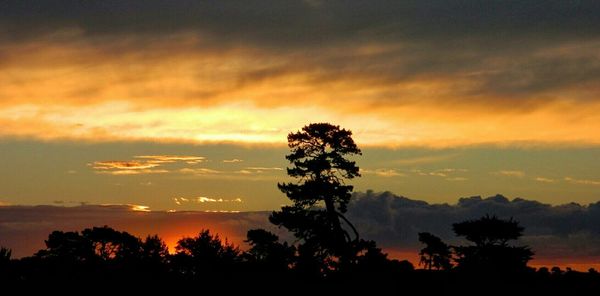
436 254
154 250
204 255
267 252
320 195
110 244
491 251
5 254
67 246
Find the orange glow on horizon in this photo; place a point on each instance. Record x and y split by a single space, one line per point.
577 264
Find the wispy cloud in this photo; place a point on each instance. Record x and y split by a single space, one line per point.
204 199
440 172
262 169
200 171
172 158
234 160
148 164
120 168
425 159
383 172
457 179
582 181
544 180
132 172
509 173
123 165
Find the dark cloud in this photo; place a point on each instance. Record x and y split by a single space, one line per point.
563 231
300 22
500 47
569 231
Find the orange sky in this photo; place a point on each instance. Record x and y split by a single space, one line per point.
67 85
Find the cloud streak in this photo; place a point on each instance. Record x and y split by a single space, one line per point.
510 173
172 158
383 172
582 181
202 199
149 165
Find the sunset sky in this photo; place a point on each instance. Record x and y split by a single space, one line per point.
186 105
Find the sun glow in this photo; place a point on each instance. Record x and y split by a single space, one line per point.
140 208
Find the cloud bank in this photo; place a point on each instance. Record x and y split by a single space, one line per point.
561 234
570 231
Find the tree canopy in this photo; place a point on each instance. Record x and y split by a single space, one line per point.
491 251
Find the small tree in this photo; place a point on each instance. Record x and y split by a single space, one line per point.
491 250
320 195
436 254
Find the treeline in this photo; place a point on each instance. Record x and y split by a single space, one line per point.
108 257
103 257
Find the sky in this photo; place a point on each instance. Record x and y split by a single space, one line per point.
185 105
142 102
171 116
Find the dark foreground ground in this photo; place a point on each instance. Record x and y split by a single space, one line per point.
253 282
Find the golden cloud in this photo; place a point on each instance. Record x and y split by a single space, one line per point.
172 158
186 91
234 160
582 181
122 165
148 166
204 199
383 172
544 180
510 173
